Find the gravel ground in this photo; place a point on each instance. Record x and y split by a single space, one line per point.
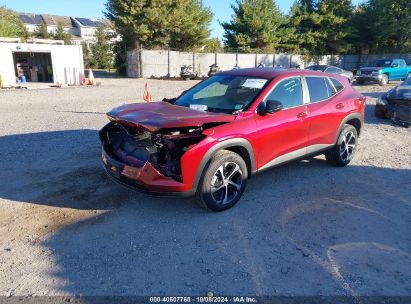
305 228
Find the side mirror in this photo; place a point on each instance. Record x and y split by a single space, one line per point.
270 107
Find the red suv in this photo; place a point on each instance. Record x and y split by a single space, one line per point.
225 129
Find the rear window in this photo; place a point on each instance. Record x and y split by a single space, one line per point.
318 89
338 86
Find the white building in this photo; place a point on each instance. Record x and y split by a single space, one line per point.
51 63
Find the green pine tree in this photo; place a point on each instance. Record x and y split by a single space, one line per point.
86 55
61 34
390 25
102 52
212 45
255 24
322 27
160 23
190 28
41 31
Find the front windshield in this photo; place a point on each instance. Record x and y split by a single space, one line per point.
381 63
223 93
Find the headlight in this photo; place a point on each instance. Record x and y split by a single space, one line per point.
381 101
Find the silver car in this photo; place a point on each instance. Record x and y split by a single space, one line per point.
332 70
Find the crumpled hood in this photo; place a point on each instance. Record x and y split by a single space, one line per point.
154 116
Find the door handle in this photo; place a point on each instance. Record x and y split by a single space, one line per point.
302 115
339 106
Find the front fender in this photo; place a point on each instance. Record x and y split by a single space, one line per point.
195 160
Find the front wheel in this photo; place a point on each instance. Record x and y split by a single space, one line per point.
384 80
223 181
343 151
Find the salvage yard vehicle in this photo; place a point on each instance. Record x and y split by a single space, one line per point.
215 136
383 70
187 73
396 104
332 70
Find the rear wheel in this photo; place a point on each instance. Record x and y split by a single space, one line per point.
223 181
379 111
343 151
384 80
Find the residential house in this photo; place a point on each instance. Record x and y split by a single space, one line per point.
81 29
31 21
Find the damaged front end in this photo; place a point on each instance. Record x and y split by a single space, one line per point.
399 111
146 157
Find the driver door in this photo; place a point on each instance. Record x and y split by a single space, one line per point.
283 135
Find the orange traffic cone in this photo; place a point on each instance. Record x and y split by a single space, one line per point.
147 96
91 79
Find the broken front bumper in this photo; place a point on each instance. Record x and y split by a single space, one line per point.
144 179
399 114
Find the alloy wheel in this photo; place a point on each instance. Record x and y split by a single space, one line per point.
347 146
226 183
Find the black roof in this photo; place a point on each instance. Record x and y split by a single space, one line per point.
31 19
87 22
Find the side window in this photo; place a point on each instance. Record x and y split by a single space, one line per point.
338 86
288 92
317 87
330 88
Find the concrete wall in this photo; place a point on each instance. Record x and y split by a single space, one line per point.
67 61
164 63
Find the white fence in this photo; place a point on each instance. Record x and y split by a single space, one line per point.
165 63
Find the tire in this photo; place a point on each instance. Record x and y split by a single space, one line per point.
342 153
384 80
223 181
379 112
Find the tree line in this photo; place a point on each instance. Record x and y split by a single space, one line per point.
314 27
311 27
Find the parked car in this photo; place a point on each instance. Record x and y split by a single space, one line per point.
216 135
383 70
396 104
332 70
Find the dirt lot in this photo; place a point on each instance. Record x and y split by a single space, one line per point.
301 229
